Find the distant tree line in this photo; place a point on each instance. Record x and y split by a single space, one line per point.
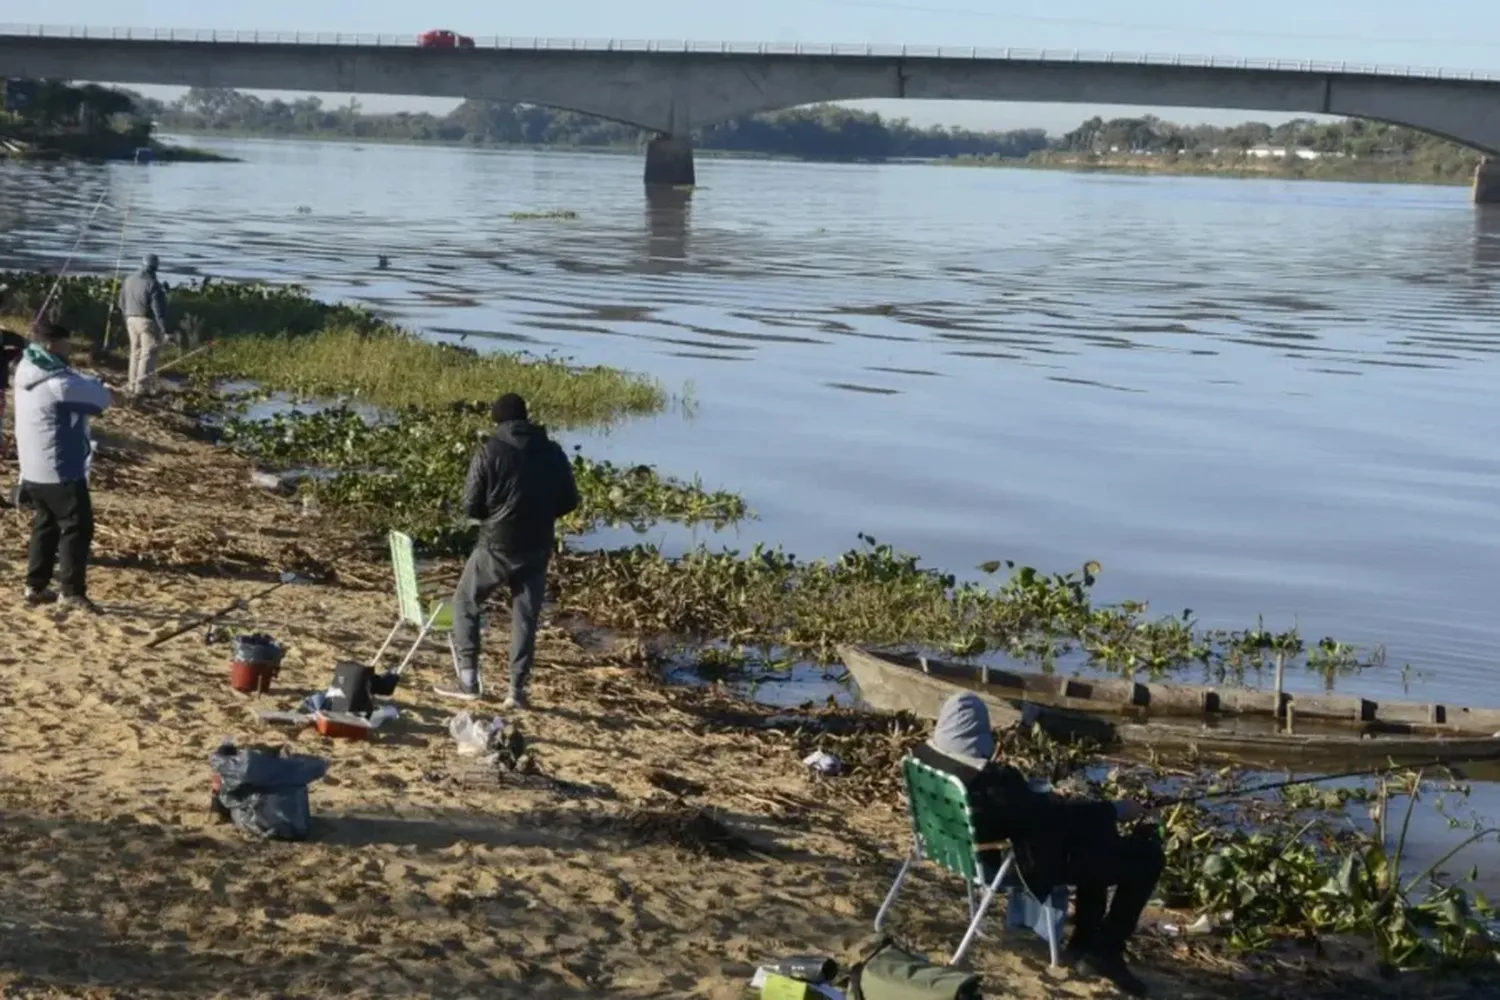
819 132
1293 142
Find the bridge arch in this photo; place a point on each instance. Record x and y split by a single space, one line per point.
1462 111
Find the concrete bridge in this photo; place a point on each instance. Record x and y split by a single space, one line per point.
671 87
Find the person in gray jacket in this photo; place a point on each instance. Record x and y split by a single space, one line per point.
53 404
143 303
520 482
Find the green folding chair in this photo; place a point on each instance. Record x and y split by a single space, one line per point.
942 825
438 617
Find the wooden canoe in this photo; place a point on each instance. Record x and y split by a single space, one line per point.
1098 710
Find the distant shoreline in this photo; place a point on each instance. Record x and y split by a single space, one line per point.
1370 171
1378 171
96 149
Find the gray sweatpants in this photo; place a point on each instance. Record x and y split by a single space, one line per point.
486 571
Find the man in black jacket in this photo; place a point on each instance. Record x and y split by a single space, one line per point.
520 482
1058 841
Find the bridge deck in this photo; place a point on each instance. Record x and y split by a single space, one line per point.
803 49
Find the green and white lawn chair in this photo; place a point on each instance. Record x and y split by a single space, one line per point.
439 614
942 826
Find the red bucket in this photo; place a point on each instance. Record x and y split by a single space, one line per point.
252 678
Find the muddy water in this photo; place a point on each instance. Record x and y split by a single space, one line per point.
1242 397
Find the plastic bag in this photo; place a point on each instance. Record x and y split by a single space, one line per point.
265 793
474 737
257 649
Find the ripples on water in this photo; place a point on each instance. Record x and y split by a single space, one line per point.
1240 396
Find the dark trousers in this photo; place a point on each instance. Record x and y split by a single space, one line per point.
1131 864
487 571
62 531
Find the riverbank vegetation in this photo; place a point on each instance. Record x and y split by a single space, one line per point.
48 119
1352 149
1274 869
1302 149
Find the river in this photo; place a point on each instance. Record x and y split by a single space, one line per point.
1241 397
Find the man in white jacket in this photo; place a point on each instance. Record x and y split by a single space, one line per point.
53 404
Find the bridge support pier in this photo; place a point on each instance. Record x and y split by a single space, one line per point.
1487 182
669 161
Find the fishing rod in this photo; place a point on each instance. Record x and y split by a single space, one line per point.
236 605
183 357
1274 785
72 252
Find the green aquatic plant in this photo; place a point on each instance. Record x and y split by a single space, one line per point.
407 473
1258 869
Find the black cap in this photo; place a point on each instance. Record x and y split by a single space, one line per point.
49 333
508 407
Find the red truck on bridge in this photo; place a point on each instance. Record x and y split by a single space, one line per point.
442 39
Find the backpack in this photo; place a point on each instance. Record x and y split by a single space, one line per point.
892 973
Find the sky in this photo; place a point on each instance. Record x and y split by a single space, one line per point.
1453 34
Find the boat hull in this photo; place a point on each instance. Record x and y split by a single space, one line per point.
894 683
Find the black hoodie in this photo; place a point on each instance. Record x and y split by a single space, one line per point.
520 482
11 346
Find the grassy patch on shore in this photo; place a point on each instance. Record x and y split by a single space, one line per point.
390 367
284 339
207 308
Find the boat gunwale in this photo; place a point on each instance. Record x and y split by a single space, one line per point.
1059 694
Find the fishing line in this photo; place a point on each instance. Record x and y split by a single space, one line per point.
109 313
1272 786
72 252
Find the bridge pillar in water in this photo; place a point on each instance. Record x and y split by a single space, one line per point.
669 161
1487 182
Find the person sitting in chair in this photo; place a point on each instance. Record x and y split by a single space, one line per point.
1057 840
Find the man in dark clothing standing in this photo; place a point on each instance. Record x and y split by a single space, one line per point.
1057 840
520 482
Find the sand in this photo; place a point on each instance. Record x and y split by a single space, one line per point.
115 880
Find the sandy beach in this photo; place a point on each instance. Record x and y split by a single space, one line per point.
421 879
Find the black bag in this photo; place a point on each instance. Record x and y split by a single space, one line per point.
258 649
892 973
264 792
355 687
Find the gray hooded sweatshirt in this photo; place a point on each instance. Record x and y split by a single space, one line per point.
142 297
963 730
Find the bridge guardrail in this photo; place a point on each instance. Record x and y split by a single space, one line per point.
868 50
